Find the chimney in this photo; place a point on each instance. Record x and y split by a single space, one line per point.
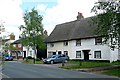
79 16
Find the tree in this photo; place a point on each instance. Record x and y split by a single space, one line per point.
108 22
33 32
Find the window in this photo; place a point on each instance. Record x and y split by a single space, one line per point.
98 41
97 54
59 52
14 45
78 42
78 54
19 45
66 43
66 52
30 53
51 45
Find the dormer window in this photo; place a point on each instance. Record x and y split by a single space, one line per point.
51 44
98 41
66 43
78 42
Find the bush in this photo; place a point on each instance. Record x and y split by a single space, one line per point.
29 57
37 59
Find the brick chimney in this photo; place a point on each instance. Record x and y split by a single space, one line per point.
79 16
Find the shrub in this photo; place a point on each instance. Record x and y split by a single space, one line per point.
37 59
29 57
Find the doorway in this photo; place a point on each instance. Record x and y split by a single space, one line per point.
24 54
86 54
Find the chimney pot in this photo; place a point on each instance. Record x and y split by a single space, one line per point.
79 16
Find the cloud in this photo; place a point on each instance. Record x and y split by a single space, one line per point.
12 14
41 7
65 11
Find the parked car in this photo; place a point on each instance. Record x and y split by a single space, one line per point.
8 58
56 59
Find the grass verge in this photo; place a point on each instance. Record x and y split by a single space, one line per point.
113 72
31 62
88 64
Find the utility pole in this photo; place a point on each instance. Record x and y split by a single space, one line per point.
2 29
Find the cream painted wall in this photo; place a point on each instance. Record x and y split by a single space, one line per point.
29 52
86 44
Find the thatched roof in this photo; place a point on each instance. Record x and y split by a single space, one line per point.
72 30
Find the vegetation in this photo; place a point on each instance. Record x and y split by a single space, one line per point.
29 57
88 64
113 72
33 33
31 62
108 21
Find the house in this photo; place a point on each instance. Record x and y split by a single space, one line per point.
77 40
22 51
25 51
17 52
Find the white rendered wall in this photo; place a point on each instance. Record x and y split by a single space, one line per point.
86 44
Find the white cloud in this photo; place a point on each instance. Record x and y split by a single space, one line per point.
65 11
11 13
41 7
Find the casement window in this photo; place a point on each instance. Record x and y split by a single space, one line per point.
98 41
51 44
78 42
30 53
78 54
19 45
66 52
97 54
65 43
59 52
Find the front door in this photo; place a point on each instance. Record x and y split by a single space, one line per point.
86 54
24 54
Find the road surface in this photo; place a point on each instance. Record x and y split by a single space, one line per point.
20 70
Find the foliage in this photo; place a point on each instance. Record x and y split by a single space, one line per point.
29 57
11 47
37 59
108 21
32 32
88 64
31 62
113 72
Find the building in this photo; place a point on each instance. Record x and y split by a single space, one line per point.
22 51
25 51
77 40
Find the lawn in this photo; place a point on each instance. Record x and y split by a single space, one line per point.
87 64
113 72
31 62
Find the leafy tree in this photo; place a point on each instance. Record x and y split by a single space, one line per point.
108 22
33 32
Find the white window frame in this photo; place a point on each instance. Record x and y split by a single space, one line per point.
78 54
78 42
51 44
66 53
65 43
19 45
97 54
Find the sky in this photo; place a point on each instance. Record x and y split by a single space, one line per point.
53 11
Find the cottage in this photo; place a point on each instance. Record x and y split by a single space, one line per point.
77 40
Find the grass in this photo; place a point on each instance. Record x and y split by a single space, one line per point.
31 62
87 64
113 72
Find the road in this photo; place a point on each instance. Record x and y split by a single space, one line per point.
20 70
